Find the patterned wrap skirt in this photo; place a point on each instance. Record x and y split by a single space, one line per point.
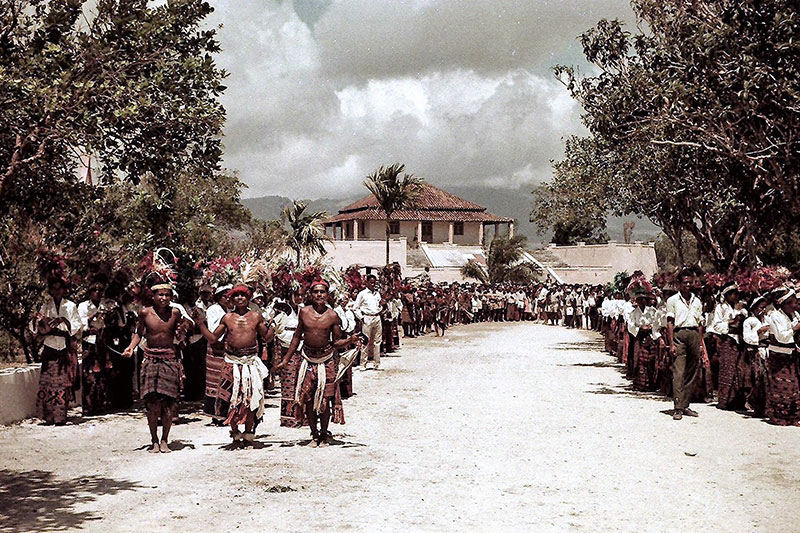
55 385
729 355
307 387
162 373
783 389
646 356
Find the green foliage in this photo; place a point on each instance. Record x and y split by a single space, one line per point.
504 263
691 125
304 232
393 192
136 87
574 205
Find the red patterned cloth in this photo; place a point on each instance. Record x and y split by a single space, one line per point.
55 386
783 389
729 355
646 353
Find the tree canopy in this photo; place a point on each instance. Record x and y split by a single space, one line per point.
135 87
692 121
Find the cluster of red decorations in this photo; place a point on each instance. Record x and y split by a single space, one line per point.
353 279
755 281
222 270
759 280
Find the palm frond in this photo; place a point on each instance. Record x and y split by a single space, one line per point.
474 270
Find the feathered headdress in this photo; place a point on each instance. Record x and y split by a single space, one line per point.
638 285
159 269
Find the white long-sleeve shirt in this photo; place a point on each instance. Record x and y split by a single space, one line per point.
647 317
750 333
66 309
368 303
781 327
285 326
720 319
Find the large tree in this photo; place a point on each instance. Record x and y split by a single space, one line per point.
693 123
134 86
393 192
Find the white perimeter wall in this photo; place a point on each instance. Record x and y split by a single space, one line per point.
18 389
342 254
605 260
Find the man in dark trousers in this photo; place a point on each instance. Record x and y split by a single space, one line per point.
684 334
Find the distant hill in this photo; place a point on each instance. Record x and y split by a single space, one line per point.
515 203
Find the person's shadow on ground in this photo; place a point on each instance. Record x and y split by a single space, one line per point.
36 500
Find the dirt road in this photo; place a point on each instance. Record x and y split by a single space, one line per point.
495 427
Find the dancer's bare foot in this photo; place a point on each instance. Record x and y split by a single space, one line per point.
154 448
164 447
313 443
323 443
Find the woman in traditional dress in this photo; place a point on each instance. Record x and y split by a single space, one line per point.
783 389
755 336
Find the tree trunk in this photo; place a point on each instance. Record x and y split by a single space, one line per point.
298 257
388 234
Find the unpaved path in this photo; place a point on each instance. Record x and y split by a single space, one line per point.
495 427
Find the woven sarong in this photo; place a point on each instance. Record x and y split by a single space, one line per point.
215 361
55 386
644 376
161 373
728 354
316 383
783 389
288 378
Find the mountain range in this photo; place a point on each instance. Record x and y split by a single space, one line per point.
515 203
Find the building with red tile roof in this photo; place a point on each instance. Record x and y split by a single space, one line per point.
437 217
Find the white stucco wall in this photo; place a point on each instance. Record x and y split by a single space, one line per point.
471 234
345 253
608 259
18 389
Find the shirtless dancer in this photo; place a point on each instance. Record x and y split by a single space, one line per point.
242 380
317 394
161 370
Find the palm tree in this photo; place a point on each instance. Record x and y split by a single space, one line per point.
504 263
393 192
304 231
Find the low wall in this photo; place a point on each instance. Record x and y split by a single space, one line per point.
18 388
613 256
586 275
439 275
342 254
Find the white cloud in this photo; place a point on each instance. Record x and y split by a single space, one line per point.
322 93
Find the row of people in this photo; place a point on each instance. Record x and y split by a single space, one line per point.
740 349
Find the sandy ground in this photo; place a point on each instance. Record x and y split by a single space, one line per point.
495 427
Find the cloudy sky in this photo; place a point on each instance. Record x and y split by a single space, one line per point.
322 92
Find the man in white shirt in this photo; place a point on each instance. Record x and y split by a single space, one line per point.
684 319
367 308
57 322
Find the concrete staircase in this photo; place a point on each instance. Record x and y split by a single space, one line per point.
548 258
416 258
